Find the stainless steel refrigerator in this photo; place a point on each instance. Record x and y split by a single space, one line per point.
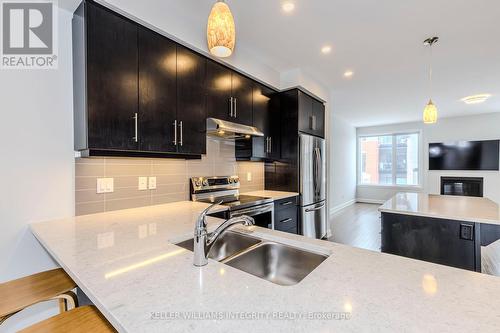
312 184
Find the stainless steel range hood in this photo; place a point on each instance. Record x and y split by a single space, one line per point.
228 130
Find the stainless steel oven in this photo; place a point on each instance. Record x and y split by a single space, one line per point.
226 191
262 214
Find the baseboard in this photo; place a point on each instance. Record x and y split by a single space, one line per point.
342 206
371 201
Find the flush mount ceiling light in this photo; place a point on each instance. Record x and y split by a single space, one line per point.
348 74
430 111
475 99
326 49
288 6
221 31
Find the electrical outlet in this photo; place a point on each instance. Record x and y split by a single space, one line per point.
105 185
249 176
143 183
467 231
152 183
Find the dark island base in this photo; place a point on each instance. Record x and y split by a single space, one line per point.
441 241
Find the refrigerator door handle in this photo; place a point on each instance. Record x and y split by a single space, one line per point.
317 171
315 208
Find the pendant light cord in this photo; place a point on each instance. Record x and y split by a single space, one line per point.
430 71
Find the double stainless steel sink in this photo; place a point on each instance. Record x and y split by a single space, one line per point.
275 262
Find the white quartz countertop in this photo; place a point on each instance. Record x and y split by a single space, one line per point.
275 195
458 208
127 264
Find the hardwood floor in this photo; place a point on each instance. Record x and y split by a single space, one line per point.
357 225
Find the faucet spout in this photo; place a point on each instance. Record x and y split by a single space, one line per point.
203 241
244 220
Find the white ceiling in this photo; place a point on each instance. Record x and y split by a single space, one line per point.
380 40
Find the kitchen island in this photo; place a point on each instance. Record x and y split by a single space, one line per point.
448 230
127 264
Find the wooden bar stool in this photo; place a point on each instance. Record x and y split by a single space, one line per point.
83 319
19 294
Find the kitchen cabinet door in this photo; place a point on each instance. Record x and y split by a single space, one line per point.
242 92
157 92
218 83
191 102
318 118
305 104
262 120
112 84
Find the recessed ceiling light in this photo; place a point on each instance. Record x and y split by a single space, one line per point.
326 49
475 99
288 6
348 74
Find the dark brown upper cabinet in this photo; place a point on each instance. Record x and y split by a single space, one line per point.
318 119
172 109
311 115
191 101
157 92
299 113
242 88
136 92
229 94
266 118
106 115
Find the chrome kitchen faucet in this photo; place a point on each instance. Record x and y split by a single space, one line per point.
203 241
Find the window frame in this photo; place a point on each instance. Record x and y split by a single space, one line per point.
394 184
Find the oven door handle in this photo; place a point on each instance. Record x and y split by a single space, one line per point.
253 211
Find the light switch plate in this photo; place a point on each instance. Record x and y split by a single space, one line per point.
152 183
110 185
143 183
249 176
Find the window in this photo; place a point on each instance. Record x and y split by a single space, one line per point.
391 159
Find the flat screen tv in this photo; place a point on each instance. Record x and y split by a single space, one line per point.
464 155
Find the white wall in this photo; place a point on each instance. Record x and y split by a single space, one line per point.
342 163
476 127
36 143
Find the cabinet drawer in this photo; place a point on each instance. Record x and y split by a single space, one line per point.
285 203
286 220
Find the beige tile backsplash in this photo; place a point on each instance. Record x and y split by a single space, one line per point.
172 177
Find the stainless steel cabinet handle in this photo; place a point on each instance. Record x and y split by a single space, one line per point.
230 107
180 127
287 203
270 145
267 145
136 137
286 220
315 208
175 132
235 108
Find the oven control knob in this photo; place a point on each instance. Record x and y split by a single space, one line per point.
205 182
197 183
230 180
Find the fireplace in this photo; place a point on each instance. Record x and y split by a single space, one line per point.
465 186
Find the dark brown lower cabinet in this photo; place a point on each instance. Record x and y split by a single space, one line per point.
286 215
